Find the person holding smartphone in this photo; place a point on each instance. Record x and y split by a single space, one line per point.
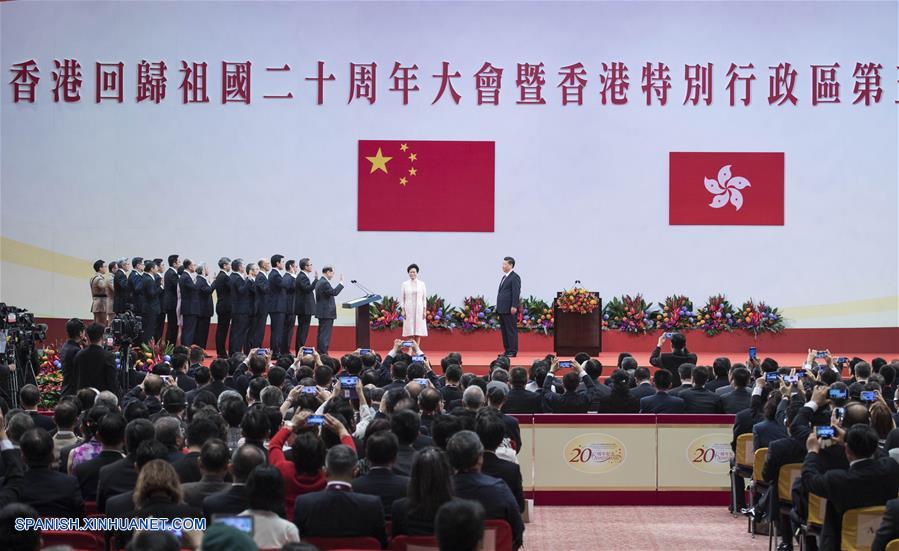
670 361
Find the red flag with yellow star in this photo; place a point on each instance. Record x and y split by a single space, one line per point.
425 186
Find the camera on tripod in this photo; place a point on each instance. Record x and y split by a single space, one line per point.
126 328
20 327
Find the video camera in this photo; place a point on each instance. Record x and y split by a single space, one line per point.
126 328
20 328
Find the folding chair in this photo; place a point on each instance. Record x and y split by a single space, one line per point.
497 535
414 543
785 477
893 545
78 541
756 485
742 468
817 506
859 527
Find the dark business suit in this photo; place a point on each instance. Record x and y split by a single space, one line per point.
228 502
780 452
384 483
736 401
196 492
889 527
52 493
569 402
404 523
204 293
507 297
160 319
190 307
14 481
508 472
170 304
157 507
671 361
764 432
643 390
700 400
521 401
240 287
290 291
121 301
88 472
95 367
223 311
136 289
661 402
495 496
304 305
151 311
67 360
340 514
119 505
277 310
115 478
325 311
259 317
866 483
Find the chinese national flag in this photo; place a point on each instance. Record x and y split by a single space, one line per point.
733 189
425 186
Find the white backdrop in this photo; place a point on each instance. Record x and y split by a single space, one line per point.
581 192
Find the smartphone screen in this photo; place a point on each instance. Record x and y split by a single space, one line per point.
315 420
824 432
565 363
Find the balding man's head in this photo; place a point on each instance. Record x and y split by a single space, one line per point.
473 397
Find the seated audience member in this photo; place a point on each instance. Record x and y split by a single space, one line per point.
65 417
158 494
17 424
519 400
200 431
170 432
121 475
254 427
699 399
338 511
768 430
867 482
218 370
685 376
443 428
213 464
491 430
381 450
889 526
452 390
721 370
121 505
644 384
671 361
598 392
405 425
571 401
154 541
430 405
179 366
429 487
50 492
781 452
174 404
881 420
460 526
112 436
496 397
265 493
620 400
29 398
739 398
662 401
11 470
233 500
14 539
90 447
221 537
466 456
148 392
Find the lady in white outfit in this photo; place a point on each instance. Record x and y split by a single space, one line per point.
414 301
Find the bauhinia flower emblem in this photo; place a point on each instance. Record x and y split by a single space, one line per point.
726 189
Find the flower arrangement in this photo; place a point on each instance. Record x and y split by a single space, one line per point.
759 318
440 314
717 316
476 314
577 300
49 377
150 354
627 314
675 314
385 314
535 315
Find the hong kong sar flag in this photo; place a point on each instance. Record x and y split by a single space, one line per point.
409 185
740 189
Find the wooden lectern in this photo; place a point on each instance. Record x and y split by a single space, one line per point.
575 333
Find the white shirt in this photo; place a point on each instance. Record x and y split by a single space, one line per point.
271 531
309 276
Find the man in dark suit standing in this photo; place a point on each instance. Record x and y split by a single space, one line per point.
222 305
661 401
508 300
190 302
465 453
122 298
94 365
381 450
304 300
338 511
170 298
326 308
75 333
136 285
277 303
151 312
290 290
261 301
240 286
672 360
